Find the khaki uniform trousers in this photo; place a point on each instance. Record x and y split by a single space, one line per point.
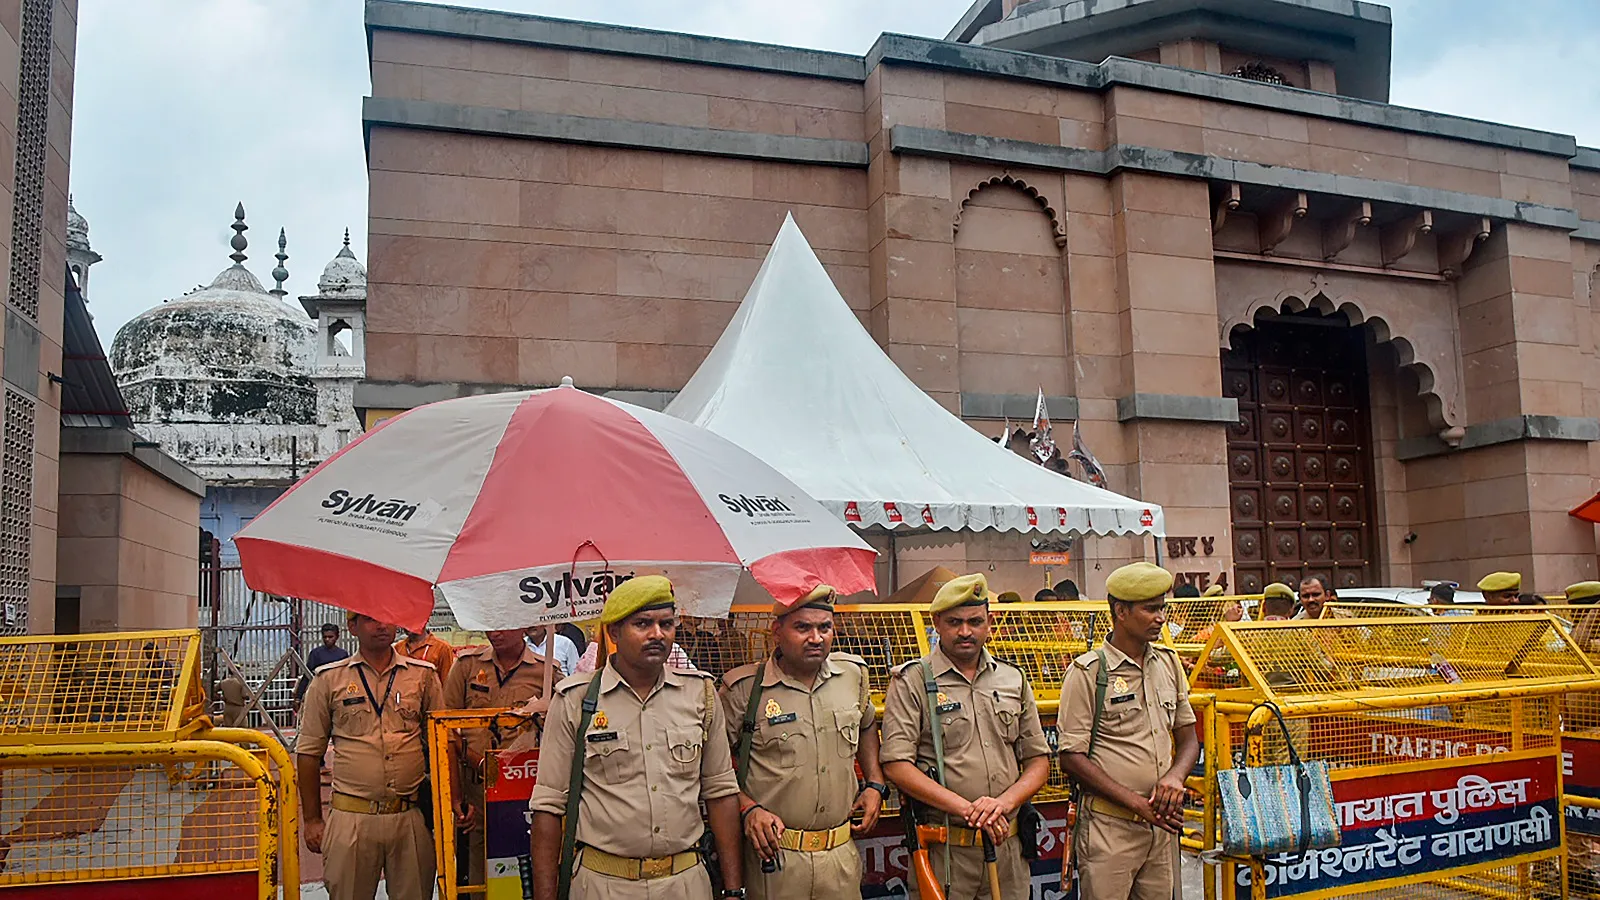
824 875
1123 860
694 884
358 849
969 877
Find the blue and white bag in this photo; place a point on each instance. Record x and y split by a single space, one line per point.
1277 809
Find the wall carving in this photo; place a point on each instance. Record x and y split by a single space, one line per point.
1417 318
1058 228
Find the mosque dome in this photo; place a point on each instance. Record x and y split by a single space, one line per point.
229 352
344 278
77 228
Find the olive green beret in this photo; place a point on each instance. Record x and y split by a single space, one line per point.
1501 581
1214 591
1139 582
1008 597
820 597
635 594
968 590
1583 590
1277 589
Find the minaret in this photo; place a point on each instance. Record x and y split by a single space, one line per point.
79 254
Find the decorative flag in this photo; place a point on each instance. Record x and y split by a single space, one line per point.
1092 471
927 514
1042 444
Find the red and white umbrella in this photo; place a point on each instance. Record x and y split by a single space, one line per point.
522 508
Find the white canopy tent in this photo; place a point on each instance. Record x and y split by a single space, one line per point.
796 380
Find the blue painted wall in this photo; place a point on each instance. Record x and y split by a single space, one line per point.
226 510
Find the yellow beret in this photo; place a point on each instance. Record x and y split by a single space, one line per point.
1277 589
1214 591
820 597
350 617
1139 582
968 589
1008 597
642 592
1501 581
1583 590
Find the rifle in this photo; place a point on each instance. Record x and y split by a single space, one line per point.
921 866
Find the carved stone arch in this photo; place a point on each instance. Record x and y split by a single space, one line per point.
1429 353
1058 227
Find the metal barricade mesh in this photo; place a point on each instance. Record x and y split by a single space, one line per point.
125 687
88 823
1191 621
1333 657
1377 610
1043 639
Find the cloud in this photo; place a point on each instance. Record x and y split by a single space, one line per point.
184 108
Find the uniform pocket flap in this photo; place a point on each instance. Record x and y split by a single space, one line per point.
685 743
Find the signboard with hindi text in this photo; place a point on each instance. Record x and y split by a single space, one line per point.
1429 819
1580 765
506 823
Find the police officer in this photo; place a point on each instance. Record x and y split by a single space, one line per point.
1131 756
375 703
505 674
811 717
1501 588
654 746
995 754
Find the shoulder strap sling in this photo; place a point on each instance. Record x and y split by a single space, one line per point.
936 729
1101 681
569 838
747 731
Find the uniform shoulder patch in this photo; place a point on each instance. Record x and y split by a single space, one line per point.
899 670
1087 660
849 658
1005 662
1165 647
410 661
734 676
572 681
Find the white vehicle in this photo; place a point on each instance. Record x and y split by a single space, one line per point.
1403 596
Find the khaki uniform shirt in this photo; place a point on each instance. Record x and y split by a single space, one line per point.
1146 700
476 682
990 725
380 752
647 763
802 754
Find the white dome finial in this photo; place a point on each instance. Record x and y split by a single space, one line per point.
566 381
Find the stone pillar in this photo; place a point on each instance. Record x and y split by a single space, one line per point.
1172 407
1523 373
912 256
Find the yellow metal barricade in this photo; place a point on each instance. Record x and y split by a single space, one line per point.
1444 738
512 764
110 771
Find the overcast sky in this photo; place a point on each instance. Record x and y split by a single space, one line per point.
186 107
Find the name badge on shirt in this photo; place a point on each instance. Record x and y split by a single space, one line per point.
353 701
784 719
479 687
950 707
600 737
1122 699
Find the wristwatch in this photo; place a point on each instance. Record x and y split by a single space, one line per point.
882 789
733 894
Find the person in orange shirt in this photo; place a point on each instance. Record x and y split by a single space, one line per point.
420 644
